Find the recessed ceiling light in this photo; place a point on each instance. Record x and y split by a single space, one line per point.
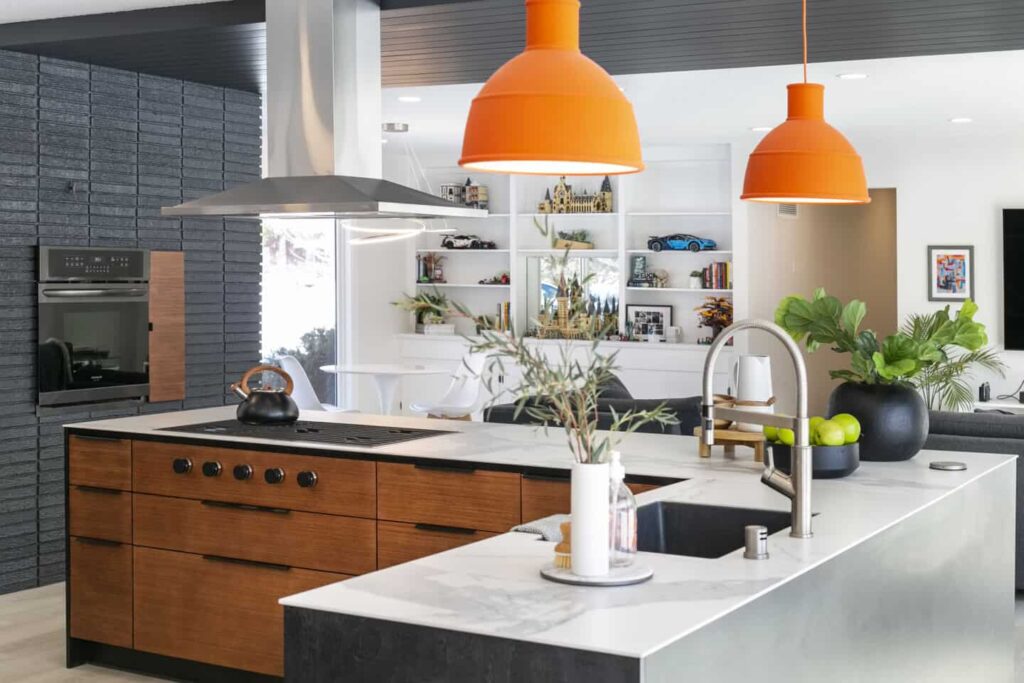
761 129
852 76
383 141
961 119
409 99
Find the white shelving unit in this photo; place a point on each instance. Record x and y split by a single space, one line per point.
684 189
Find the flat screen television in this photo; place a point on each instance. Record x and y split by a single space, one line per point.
1013 278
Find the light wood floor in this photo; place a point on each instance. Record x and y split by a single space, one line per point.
32 641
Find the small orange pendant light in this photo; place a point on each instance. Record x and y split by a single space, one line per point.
551 110
804 160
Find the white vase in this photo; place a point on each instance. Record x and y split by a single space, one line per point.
590 509
696 282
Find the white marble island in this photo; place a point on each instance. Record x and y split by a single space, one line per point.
909 577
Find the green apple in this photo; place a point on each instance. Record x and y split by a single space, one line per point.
850 425
814 422
831 433
771 433
787 436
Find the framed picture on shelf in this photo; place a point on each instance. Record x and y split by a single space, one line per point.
950 273
648 320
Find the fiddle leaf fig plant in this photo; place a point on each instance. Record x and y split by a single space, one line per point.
899 358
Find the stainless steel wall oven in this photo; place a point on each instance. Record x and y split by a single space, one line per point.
93 325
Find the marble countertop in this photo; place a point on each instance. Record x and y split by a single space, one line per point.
493 587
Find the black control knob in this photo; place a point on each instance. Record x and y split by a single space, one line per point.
274 475
182 465
242 472
307 479
211 468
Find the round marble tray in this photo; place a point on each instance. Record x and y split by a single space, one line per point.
617 576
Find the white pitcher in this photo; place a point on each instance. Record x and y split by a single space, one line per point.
752 381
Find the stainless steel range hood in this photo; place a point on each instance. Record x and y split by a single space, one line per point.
323 131
322 196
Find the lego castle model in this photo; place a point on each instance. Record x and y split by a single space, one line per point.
469 194
563 200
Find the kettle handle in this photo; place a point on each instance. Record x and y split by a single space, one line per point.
243 384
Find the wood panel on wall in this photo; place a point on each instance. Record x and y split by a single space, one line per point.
166 326
848 250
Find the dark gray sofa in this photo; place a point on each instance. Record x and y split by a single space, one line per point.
985 432
615 396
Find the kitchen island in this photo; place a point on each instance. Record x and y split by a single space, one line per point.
909 575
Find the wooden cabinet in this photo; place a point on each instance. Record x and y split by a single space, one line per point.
299 539
100 461
101 591
100 513
215 611
344 487
552 495
398 542
167 326
448 496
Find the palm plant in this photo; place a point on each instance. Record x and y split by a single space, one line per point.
945 384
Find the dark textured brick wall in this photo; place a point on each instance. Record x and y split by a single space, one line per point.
88 156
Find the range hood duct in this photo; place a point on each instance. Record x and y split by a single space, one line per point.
323 132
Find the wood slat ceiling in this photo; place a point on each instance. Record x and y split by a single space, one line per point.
432 42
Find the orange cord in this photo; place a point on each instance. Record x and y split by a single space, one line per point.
805 41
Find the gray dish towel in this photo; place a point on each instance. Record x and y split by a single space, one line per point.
549 528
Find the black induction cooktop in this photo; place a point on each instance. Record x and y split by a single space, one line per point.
368 436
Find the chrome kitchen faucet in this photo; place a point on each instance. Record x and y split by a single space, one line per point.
797 485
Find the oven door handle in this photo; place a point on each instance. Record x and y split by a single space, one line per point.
89 293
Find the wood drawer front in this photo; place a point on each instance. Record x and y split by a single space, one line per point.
299 539
543 496
214 611
471 499
96 461
398 542
101 591
344 487
100 513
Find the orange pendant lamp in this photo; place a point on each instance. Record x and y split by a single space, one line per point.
804 160
551 110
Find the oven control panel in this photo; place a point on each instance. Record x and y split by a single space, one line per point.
86 264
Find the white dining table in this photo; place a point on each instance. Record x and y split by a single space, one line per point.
386 376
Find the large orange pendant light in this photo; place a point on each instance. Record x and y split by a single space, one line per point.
551 110
804 160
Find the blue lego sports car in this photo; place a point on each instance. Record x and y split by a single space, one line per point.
680 242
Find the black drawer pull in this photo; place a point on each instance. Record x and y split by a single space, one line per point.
453 469
547 477
99 489
446 529
244 506
96 541
93 437
251 563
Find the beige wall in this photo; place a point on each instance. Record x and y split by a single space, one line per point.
848 250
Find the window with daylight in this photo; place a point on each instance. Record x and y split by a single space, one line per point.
300 297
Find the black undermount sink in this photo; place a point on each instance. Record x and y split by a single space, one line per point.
699 530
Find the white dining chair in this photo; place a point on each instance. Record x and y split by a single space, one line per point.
463 396
303 392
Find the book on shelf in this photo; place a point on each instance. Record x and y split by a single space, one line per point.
504 318
718 275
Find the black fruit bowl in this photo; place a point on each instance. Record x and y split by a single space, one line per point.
828 462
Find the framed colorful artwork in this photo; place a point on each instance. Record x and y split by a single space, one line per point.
950 273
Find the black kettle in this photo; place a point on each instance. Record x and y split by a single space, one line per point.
266 405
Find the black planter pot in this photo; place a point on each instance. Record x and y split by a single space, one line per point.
893 419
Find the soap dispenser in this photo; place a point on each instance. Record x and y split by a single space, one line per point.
622 517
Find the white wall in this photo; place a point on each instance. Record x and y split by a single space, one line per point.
949 190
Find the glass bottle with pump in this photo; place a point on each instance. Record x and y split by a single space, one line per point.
622 518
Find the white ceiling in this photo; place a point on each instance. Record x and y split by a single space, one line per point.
912 96
30 10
